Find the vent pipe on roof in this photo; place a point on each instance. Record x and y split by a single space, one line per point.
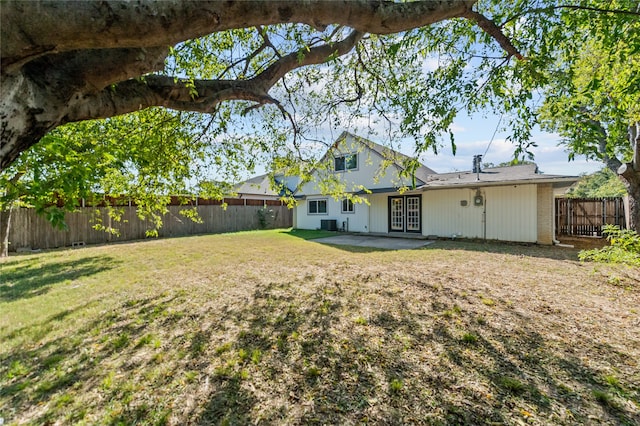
477 165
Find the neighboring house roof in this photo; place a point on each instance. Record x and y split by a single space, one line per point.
520 174
259 185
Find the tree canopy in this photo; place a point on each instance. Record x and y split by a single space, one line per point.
592 97
603 183
106 59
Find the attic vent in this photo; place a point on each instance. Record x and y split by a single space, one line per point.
477 163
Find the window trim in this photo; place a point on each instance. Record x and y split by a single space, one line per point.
353 206
316 200
344 157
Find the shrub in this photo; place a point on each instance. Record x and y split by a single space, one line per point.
624 247
265 215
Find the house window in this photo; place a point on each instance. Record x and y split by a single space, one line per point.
347 206
346 162
317 206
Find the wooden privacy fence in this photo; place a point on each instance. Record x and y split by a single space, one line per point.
587 216
32 231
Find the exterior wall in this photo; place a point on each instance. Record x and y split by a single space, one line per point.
510 213
442 214
370 173
521 213
546 215
379 212
358 221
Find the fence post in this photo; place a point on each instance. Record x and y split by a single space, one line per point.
569 217
604 215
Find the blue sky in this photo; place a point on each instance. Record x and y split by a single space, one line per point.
473 134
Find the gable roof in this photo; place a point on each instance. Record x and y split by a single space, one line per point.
258 185
261 186
386 153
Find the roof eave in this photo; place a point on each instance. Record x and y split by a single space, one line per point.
557 182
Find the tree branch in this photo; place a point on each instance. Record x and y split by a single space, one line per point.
313 56
494 31
93 70
612 162
634 139
247 59
32 29
199 95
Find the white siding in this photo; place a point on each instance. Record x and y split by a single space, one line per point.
379 213
442 214
370 174
358 221
511 213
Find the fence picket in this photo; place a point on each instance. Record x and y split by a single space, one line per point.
31 231
587 216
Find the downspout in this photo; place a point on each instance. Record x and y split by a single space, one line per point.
554 239
369 214
484 216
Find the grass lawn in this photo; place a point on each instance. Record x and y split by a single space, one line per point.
270 327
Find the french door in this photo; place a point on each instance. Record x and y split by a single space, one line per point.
404 213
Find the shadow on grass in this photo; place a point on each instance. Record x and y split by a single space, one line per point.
308 234
504 247
297 353
321 367
23 279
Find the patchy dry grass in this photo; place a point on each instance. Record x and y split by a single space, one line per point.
269 328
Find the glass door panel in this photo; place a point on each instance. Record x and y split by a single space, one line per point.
413 213
397 214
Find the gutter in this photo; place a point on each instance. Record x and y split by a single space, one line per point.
564 180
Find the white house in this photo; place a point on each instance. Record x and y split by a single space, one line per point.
504 203
262 187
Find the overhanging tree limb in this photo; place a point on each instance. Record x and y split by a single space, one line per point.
494 31
573 7
157 90
32 29
59 67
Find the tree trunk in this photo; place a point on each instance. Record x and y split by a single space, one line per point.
631 180
5 227
632 176
634 207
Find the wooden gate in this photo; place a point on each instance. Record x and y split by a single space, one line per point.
587 216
